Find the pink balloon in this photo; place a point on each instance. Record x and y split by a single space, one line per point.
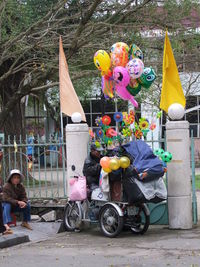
122 79
135 68
121 76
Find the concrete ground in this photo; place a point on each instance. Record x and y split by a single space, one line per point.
159 247
41 231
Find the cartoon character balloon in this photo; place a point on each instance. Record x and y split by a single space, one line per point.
119 54
135 52
147 78
134 87
135 68
102 62
122 79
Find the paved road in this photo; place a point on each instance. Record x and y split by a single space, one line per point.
159 247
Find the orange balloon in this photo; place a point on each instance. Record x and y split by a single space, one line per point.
104 162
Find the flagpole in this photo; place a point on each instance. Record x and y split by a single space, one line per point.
63 153
61 126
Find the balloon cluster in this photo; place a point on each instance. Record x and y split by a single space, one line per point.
163 155
123 71
109 164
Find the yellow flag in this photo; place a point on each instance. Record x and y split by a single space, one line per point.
172 91
69 102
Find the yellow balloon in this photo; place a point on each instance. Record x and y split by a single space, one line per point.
114 164
124 162
102 61
107 170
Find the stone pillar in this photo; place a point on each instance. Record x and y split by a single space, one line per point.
77 138
179 181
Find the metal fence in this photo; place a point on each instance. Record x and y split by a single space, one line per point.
44 166
42 163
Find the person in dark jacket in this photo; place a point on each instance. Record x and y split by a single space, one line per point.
15 199
2 227
92 167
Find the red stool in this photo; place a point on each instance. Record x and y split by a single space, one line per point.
14 220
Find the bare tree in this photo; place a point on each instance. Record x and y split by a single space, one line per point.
29 42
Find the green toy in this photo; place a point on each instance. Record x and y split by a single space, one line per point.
147 77
134 90
166 156
158 152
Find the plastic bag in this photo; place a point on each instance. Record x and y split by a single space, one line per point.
154 191
104 181
78 188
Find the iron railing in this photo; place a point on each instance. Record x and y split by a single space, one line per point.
43 165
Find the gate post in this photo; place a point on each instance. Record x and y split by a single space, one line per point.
77 138
179 182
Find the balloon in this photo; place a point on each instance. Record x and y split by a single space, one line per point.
147 78
107 87
119 54
114 164
107 170
135 52
159 152
166 156
122 79
121 76
102 62
135 68
124 162
134 87
104 162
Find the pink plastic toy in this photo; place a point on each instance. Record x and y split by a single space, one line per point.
122 79
78 189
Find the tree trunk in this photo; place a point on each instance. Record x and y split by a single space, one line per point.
13 123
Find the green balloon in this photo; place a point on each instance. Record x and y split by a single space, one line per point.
147 78
134 91
166 156
135 52
159 152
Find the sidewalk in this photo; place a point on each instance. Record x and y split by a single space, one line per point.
158 247
41 231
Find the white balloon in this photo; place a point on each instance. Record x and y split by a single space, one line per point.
76 117
176 111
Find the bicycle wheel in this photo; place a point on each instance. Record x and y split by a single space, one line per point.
111 223
141 220
72 216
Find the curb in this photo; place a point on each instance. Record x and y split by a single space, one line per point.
13 240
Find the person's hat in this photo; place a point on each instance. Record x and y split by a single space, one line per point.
94 147
15 171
